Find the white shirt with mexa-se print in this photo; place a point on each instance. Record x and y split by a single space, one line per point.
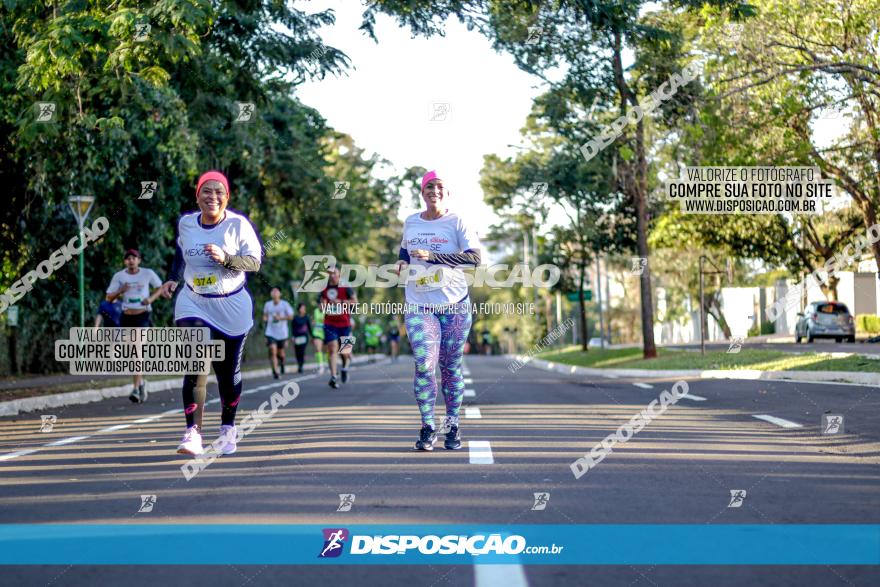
210 291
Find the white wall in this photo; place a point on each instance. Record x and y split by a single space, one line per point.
738 305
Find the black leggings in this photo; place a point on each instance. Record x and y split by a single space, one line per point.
300 353
228 373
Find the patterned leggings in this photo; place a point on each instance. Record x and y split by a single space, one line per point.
439 336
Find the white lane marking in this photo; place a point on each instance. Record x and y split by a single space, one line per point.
644 385
212 401
468 380
73 439
777 421
114 428
696 398
472 413
507 575
18 453
70 440
480 452
470 393
611 376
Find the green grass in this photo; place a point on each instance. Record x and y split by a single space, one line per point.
760 359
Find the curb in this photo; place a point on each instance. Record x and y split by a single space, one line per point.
86 396
851 377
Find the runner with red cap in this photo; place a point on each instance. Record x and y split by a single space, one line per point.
216 246
131 287
437 243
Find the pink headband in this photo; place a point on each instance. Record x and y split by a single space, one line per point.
212 176
428 177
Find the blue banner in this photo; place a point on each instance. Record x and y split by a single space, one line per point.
624 544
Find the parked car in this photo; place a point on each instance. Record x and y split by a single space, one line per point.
825 320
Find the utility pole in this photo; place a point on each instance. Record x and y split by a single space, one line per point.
608 299
81 206
599 302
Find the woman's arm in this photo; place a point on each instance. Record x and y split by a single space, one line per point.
468 257
241 263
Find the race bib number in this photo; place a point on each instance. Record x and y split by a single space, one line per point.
133 300
205 283
300 339
434 280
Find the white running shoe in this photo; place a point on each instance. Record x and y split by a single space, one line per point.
192 443
226 441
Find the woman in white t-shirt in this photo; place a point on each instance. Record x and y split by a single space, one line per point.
276 314
437 243
215 248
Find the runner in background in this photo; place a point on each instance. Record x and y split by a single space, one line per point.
372 333
318 337
276 314
131 287
336 301
109 314
301 327
486 337
394 339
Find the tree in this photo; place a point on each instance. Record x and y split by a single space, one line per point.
799 63
586 41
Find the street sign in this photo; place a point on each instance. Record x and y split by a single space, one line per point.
573 295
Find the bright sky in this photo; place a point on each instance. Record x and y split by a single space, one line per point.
395 88
478 100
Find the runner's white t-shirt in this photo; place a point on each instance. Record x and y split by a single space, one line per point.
447 234
212 292
139 285
278 329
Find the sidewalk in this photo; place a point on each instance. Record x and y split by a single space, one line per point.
849 377
35 397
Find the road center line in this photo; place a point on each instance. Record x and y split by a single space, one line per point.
777 421
480 452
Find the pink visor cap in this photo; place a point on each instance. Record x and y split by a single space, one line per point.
428 177
212 176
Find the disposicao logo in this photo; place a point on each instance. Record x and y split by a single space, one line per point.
334 540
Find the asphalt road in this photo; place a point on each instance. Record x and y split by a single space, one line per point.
679 469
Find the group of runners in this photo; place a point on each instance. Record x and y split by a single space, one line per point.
216 247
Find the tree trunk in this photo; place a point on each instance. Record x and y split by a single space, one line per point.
637 188
713 308
582 304
829 288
